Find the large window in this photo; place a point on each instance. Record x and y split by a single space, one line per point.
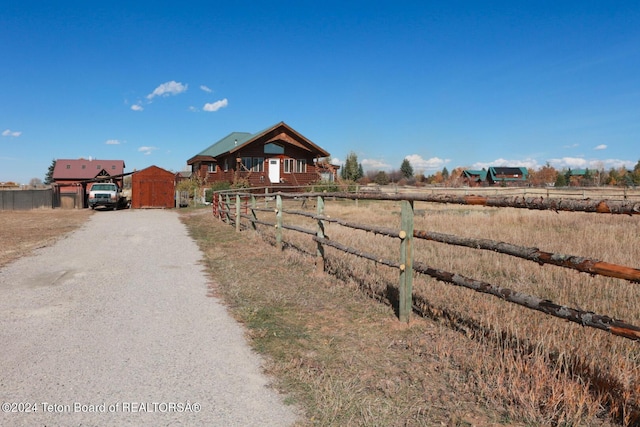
258 164
288 165
246 164
293 165
211 167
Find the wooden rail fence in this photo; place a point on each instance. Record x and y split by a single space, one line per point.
234 207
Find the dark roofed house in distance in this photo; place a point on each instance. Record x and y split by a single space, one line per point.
278 155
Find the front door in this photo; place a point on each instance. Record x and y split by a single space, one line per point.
274 170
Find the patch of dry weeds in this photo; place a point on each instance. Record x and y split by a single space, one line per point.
21 232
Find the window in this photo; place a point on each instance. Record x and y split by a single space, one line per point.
258 164
84 166
272 148
288 165
226 165
68 166
211 168
246 164
98 167
113 167
301 166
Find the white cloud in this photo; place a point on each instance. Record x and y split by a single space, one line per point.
526 163
11 133
168 88
137 107
569 162
336 161
597 164
432 164
193 109
374 164
601 147
571 146
215 106
205 88
147 150
112 142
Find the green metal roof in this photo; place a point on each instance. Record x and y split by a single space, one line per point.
226 144
481 174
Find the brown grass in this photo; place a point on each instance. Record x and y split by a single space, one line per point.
521 364
21 232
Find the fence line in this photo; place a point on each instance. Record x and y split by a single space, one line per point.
26 199
232 213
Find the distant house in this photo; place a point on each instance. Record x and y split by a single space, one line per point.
507 176
474 178
68 174
277 155
72 178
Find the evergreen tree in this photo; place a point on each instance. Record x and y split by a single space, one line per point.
406 169
567 177
445 173
561 180
352 169
48 178
636 173
381 178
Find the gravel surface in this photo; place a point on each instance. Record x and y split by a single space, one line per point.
112 326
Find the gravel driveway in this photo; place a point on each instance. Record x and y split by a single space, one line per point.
112 326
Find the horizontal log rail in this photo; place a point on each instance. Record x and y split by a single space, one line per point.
584 318
582 264
626 207
357 252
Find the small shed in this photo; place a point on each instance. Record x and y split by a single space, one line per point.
153 187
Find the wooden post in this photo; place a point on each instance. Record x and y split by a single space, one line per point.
320 234
237 213
227 209
253 212
405 305
278 221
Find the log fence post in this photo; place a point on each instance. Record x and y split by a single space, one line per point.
227 209
253 212
405 303
279 221
320 234
238 212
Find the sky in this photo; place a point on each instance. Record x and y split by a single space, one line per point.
444 84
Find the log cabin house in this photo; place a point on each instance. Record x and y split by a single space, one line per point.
505 176
275 156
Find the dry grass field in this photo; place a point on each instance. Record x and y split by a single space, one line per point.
23 231
503 361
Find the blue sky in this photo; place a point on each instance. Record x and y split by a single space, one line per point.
449 83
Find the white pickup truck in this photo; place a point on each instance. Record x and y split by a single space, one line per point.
106 194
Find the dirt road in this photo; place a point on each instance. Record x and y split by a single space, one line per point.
112 326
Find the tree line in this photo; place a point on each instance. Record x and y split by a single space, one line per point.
547 175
